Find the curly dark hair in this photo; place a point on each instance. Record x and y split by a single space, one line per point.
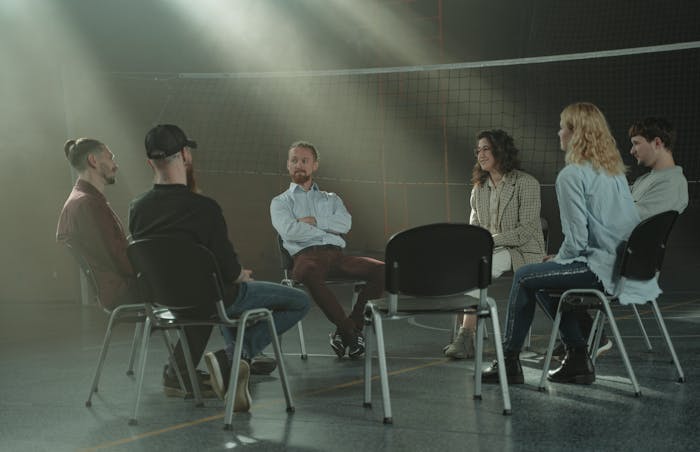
504 152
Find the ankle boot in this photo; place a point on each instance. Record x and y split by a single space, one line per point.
462 347
577 368
514 372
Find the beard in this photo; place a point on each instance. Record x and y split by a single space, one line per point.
300 178
191 181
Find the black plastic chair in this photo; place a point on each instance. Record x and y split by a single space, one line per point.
123 314
183 277
287 265
642 257
429 269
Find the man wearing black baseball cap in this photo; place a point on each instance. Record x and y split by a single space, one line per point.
170 208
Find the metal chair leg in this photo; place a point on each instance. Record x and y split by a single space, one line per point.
667 338
235 368
499 355
101 358
280 361
621 346
550 349
302 341
134 346
383 374
194 381
641 327
369 328
479 355
141 369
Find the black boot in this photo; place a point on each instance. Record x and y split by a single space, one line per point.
577 368
514 372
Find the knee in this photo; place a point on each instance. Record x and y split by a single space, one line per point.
306 272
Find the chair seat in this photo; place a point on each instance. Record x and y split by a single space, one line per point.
433 305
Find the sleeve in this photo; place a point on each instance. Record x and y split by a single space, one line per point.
573 213
100 228
473 217
338 221
222 247
286 224
663 195
529 224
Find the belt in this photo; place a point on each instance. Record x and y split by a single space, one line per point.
313 248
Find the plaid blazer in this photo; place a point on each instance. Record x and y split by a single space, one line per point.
518 217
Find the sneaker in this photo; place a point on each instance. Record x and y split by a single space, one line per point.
220 370
171 385
262 365
356 348
606 344
337 344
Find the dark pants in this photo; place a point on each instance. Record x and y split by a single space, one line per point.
529 288
313 267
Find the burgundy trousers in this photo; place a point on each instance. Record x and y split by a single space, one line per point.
314 265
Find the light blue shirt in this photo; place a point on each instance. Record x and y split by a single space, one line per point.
597 215
332 218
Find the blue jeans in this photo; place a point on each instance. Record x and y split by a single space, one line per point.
528 284
288 306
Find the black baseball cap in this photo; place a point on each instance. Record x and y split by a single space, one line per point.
165 140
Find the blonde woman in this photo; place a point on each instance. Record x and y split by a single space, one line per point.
597 214
506 201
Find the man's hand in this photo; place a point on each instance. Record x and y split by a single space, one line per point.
245 276
308 220
548 257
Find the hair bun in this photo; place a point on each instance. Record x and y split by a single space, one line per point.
67 148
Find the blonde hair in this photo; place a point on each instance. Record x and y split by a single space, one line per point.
591 140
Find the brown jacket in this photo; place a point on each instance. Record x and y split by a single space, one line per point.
94 230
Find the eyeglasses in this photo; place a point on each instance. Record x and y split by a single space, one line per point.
482 149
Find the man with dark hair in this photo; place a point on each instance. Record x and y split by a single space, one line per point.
171 209
664 187
91 227
311 223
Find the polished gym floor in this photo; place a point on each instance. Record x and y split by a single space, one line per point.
49 352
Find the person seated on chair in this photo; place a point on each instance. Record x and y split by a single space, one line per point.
311 223
506 201
171 209
597 215
663 188
89 225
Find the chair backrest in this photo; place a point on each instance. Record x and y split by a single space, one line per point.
438 259
286 260
175 273
643 253
84 266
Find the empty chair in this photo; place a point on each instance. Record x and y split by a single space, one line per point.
641 259
183 277
429 269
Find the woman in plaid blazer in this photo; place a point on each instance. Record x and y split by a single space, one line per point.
506 201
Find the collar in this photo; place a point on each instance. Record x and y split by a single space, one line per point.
294 186
89 189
